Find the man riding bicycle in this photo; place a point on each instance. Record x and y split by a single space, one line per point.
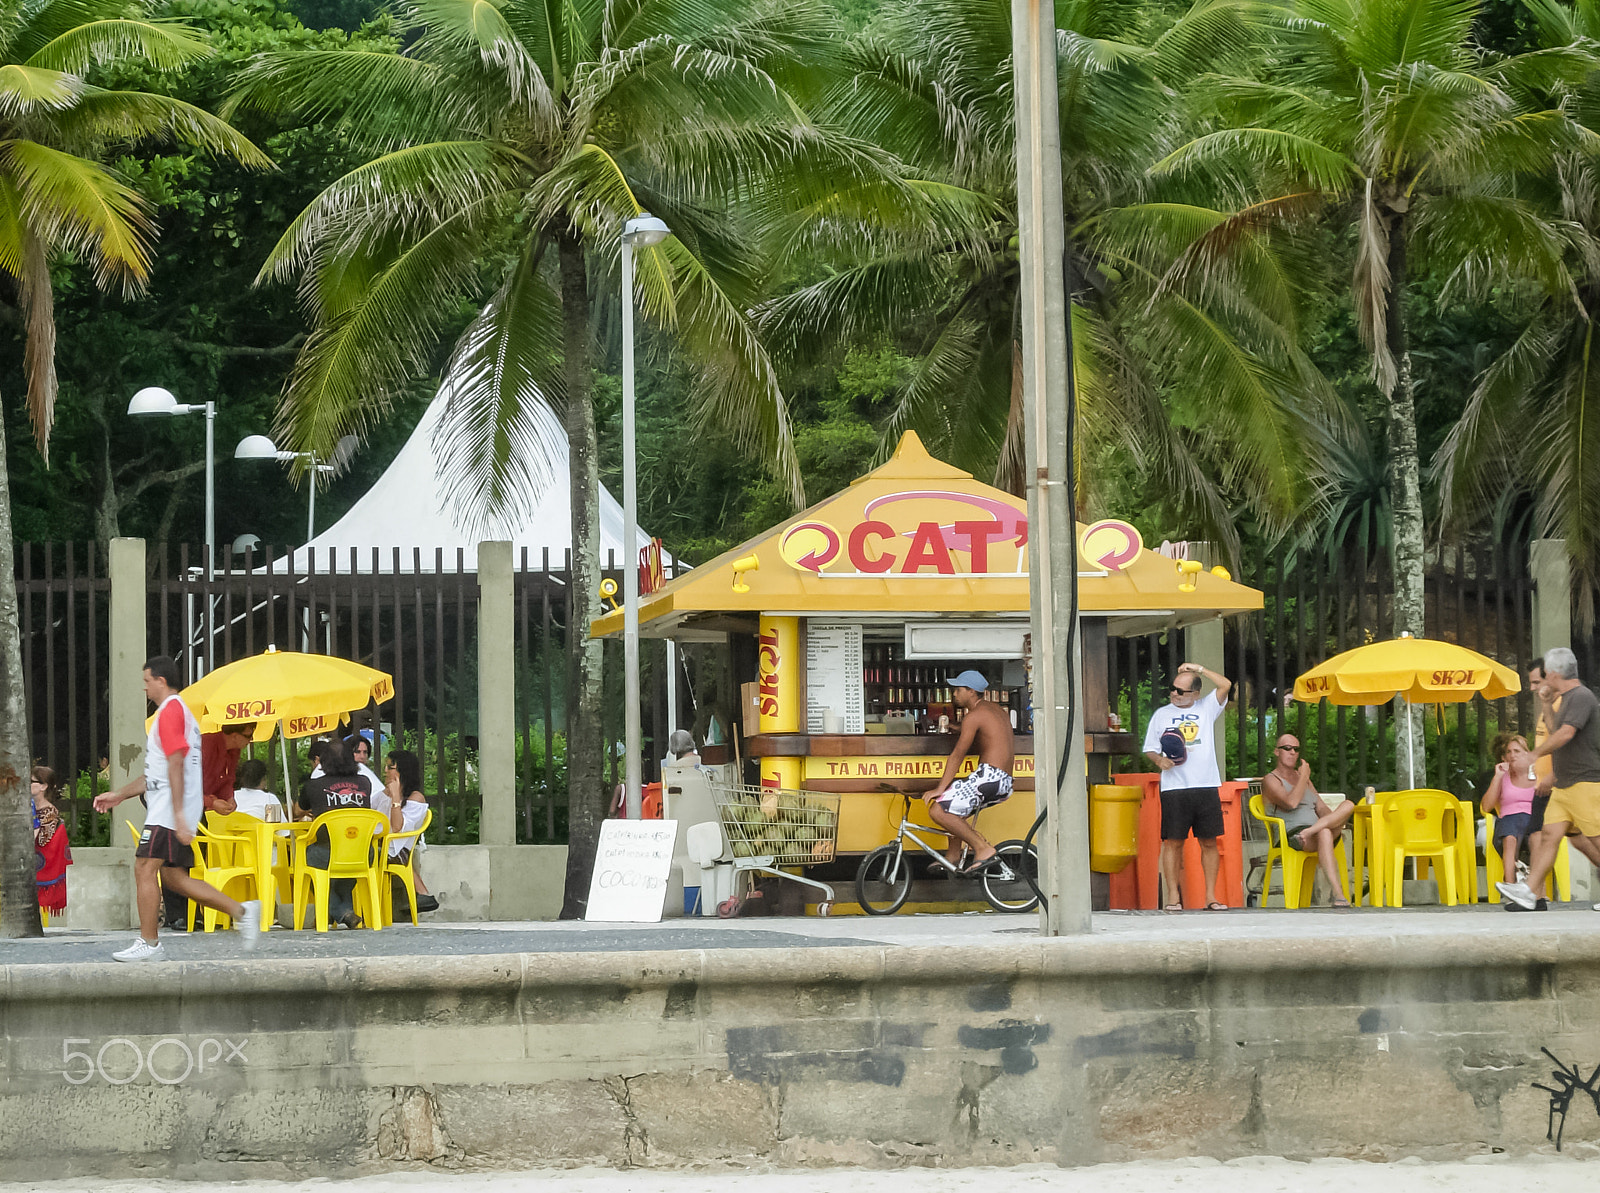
986 731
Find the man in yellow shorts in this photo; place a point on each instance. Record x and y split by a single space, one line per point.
1573 746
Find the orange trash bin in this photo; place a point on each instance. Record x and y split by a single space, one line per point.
1138 886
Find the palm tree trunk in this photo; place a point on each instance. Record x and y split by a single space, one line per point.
586 796
1405 494
19 898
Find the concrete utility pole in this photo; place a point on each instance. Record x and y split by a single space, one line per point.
1059 765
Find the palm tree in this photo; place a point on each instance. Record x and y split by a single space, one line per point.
57 199
1185 313
516 138
1532 424
1388 111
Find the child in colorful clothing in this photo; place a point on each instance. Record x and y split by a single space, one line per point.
1510 798
49 842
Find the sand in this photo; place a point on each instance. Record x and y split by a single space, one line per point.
1483 1174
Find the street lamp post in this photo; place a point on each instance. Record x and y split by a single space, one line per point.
153 401
643 230
259 447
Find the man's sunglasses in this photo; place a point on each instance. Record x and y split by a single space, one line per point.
1183 691
1291 749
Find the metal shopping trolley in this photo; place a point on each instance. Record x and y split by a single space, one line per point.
771 827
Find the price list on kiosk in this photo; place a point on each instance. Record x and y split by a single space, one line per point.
833 678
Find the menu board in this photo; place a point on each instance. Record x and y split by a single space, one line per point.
833 678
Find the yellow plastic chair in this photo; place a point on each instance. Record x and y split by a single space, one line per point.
1557 883
357 846
261 856
405 871
1299 867
1415 826
1458 828
222 859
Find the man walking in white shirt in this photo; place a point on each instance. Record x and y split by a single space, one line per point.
174 801
1180 741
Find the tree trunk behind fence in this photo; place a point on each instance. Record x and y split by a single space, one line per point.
19 898
586 796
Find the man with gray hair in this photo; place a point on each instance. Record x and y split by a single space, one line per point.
1574 808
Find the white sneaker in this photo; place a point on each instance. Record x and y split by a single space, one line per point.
1518 893
250 923
142 950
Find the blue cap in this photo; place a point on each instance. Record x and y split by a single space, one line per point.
969 679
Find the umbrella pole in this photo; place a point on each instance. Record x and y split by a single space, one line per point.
1411 751
283 752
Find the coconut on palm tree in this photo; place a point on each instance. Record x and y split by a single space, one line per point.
1389 111
516 139
57 197
1184 319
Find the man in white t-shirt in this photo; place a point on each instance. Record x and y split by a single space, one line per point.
174 796
1180 739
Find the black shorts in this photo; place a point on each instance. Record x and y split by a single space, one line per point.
159 841
1191 808
1536 817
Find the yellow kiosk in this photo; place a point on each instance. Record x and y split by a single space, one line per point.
864 605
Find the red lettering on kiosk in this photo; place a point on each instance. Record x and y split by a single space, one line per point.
928 547
978 536
858 547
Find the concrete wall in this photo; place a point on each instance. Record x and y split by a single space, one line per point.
526 881
1070 1051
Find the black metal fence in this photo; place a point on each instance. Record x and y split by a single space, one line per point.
414 615
410 613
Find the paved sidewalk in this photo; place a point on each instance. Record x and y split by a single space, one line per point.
970 930
1486 1174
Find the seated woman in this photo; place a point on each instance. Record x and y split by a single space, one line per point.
402 780
1308 823
1510 798
252 796
52 855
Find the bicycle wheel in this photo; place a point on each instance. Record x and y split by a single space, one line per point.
883 881
1011 883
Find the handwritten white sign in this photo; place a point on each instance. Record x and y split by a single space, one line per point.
631 869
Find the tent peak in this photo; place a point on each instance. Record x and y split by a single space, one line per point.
911 462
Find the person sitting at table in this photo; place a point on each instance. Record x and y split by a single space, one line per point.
251 795
341 785
1308 823
403 784
219 761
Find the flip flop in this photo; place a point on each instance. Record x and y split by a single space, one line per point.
1173 907
977 868
1215 906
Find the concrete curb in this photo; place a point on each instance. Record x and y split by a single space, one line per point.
903 964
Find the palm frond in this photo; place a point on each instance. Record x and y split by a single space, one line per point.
164 45
75 204
499 442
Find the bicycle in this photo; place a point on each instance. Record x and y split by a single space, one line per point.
883 880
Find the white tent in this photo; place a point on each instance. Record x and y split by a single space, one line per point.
409 508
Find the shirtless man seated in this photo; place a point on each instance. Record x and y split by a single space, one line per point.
1308 823
952 805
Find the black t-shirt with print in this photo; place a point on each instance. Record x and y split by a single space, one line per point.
327 793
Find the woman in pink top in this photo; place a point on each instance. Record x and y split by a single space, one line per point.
1510 798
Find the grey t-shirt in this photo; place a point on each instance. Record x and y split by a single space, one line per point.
1579 760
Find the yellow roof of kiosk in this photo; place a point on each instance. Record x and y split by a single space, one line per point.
919 538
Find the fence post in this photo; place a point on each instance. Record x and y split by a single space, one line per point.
497 694
1552 595
129 649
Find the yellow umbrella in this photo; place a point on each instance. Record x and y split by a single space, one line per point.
303 694
1422 670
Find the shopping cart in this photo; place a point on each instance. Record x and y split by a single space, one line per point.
771 827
